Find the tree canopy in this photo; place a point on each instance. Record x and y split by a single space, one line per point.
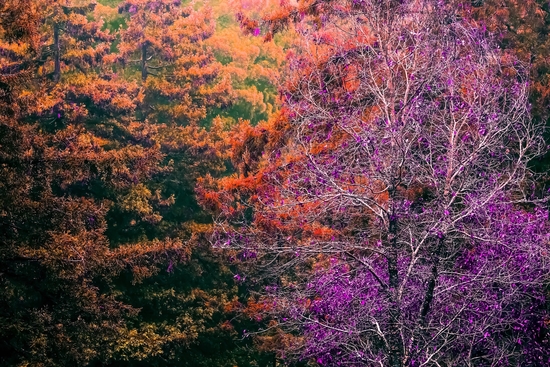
301 182
392 202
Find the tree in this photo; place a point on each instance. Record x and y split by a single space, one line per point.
91 243
180 82
253 65
184 309
392 200
59 302
167 39
522 28
60 72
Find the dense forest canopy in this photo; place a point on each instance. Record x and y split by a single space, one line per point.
274 183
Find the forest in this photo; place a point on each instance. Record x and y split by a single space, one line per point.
263 183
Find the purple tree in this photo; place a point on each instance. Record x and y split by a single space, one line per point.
399 212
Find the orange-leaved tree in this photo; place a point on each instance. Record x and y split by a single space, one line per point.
59 304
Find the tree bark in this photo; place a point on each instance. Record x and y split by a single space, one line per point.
394 338
57 54
144 61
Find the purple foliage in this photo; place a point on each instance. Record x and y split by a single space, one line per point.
487 306
440 252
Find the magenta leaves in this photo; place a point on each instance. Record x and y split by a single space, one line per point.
403 184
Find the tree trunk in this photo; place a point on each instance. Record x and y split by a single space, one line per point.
394 337
144 61
57 54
